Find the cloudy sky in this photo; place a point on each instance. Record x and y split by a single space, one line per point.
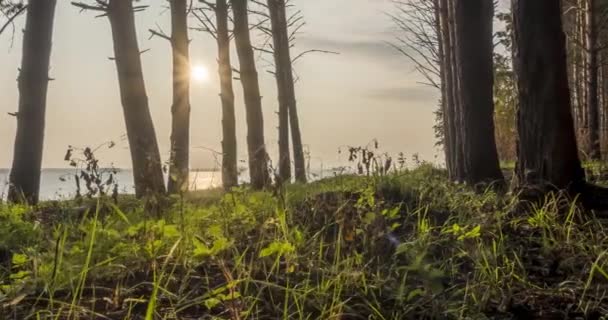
367 91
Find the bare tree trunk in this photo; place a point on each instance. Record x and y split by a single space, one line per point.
145 157
229 143
576 62
298 147
286 91
593 135
179 170
457 113
447 101
258 158
582 84
288 111
33 84
474 52
604 105
548 153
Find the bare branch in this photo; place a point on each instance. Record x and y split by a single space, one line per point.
12 18
299 56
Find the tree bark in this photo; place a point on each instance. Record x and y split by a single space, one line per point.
474 52
285 90
593 130
582 84
258 157
179 170
229 143
447 101
457 114
576 63
547 152
298 147
288 111
145 157
33 85
604 105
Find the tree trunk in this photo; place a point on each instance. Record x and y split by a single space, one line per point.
547 153
474 52
576 71
593 134
288 111
179 170
457 114
285 90
258 158
604 106
298 147
147 168
447 101
33 84
229 143
582 84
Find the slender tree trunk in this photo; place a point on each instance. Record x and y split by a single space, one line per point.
288 111
474 52
286 91
584 80
571 25
604 105
179 169
458 157
447 101
593 134
147 168
33 84
547 153
229 143
298 147
258 158
576 66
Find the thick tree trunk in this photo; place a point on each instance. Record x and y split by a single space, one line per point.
593 130
33 84
285 90
258 158
474 52
179 169
547 153
147 168
229 143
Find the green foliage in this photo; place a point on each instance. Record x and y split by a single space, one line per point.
407 245
16 232
505 93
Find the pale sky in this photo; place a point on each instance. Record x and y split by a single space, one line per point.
368 91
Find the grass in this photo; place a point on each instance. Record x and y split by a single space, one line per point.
405 246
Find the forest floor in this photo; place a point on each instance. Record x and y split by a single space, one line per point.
403 246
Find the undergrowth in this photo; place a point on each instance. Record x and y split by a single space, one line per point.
408 245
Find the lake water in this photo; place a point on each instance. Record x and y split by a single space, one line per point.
57 184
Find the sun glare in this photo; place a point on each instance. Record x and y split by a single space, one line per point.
200 73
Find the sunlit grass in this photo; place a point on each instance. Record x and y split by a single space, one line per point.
404 246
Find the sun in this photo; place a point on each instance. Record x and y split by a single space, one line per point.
200 73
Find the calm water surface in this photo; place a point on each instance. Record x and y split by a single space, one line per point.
57 184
